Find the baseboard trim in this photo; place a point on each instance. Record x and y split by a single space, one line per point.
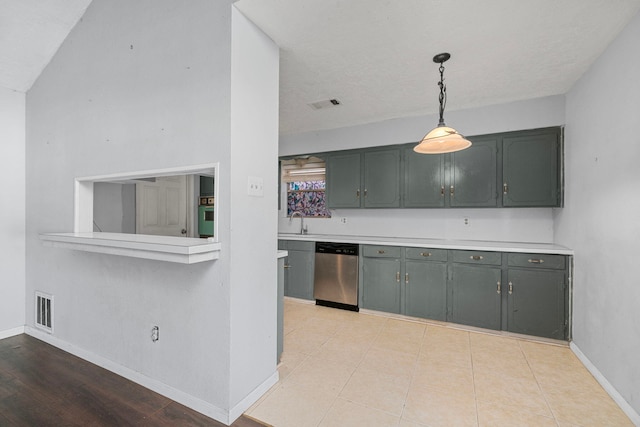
11 332
610 389
257 393
172 393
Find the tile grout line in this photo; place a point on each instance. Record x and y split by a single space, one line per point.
413 374
473 379
544 396
351 375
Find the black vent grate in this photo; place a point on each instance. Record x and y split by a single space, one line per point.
44 311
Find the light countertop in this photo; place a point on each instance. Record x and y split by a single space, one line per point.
472 245
183 250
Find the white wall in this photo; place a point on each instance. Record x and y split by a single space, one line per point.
525 225
137 86
254 153
12 214
601 218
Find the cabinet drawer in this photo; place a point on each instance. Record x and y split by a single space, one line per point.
296 245
382 251
557 262
477 257
426 254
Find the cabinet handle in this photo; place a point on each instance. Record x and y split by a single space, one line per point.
499 290
365 192
406 278
287 266
425 254
442 191
398 277
536 261
476 257
451 191
358 193
505 188
381 251
510 288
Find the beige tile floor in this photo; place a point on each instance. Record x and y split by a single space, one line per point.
346 369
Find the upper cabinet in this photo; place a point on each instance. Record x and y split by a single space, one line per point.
514 169
364 179
343 180
530 168
381 179
473 175
424 179
466 178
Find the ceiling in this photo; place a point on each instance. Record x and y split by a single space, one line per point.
375 56
31 31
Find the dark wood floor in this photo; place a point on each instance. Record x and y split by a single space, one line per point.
41 385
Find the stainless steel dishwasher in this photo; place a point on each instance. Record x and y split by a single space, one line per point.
335 281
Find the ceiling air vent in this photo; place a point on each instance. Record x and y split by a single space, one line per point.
324 104
44 311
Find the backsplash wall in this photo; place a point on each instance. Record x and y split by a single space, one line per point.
507 225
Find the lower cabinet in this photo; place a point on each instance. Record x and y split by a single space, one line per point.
280 312
298 268
515 292
475 288
409 281
537 295
381 278
475 295
425 282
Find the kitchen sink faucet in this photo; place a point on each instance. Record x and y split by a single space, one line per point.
303 228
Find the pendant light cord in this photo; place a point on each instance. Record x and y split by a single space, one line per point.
443 95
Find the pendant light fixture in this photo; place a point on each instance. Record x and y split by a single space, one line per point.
442 139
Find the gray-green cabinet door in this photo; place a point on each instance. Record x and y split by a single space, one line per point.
423 179
475 299
426 289
474 175
280 311
530 172
381 284
299 274
535 303
343 180
381 187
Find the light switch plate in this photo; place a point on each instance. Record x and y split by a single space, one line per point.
255 186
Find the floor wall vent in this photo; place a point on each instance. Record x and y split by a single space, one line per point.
44 312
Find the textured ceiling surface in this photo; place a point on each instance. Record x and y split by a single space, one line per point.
31 31
375 56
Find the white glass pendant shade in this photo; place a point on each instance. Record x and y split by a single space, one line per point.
442 139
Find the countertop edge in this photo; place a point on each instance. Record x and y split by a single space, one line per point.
474 245
161 248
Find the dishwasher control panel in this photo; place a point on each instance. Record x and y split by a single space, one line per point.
337 248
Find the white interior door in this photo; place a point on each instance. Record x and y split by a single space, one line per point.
161 206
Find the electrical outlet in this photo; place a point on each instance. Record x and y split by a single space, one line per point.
467 222
155 333
343 220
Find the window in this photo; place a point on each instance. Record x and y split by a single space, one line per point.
304 182
94 212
